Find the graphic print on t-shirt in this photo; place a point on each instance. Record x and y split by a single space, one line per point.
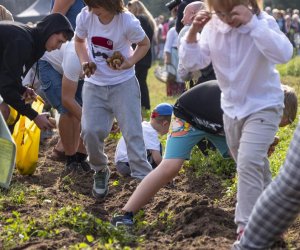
100 47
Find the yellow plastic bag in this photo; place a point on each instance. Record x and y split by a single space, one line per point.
12 116
27 138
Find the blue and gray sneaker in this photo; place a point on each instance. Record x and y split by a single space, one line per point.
123 220
100 187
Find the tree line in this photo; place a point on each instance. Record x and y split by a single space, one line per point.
157 7
283 4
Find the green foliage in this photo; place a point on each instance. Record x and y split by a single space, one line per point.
283 4
17 230
157 89
213 163
15 195
146 114
139 220
114 136
285 135
292 68
116 183
231 186
166 218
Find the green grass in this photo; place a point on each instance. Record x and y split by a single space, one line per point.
157 90
292 68
290 75
17 227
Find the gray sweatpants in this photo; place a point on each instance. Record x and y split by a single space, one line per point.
249 140
100 105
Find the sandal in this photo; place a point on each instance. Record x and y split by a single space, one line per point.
57 155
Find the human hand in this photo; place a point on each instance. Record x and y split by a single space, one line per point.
29 95
125 65
116 61
201 18
52 121
240 15
89 68
43 122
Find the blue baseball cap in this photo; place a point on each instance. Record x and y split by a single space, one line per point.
162 109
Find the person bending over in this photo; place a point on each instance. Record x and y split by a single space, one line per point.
201 107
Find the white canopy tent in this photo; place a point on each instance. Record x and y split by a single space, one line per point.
35 12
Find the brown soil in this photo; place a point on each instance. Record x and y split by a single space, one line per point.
202 216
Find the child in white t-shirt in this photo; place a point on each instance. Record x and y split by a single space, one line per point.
158 125
106 27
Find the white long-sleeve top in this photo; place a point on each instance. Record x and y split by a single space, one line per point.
244 61
171 40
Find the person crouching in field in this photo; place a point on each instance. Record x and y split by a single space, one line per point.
158 125
20 47
200 106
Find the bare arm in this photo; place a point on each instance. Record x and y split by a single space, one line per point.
156 156
69 89
167 58
139 52
88 67
198 23
62 6
81 51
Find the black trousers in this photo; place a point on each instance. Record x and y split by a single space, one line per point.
141 73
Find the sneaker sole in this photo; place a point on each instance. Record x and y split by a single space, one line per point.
101 196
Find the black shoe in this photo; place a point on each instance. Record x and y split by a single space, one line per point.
123 220
83 165
71 167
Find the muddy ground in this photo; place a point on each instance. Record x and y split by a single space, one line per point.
200 214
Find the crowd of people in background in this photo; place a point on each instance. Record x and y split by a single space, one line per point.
289 23
89 92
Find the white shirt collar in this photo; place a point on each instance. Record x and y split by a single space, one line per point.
225 28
